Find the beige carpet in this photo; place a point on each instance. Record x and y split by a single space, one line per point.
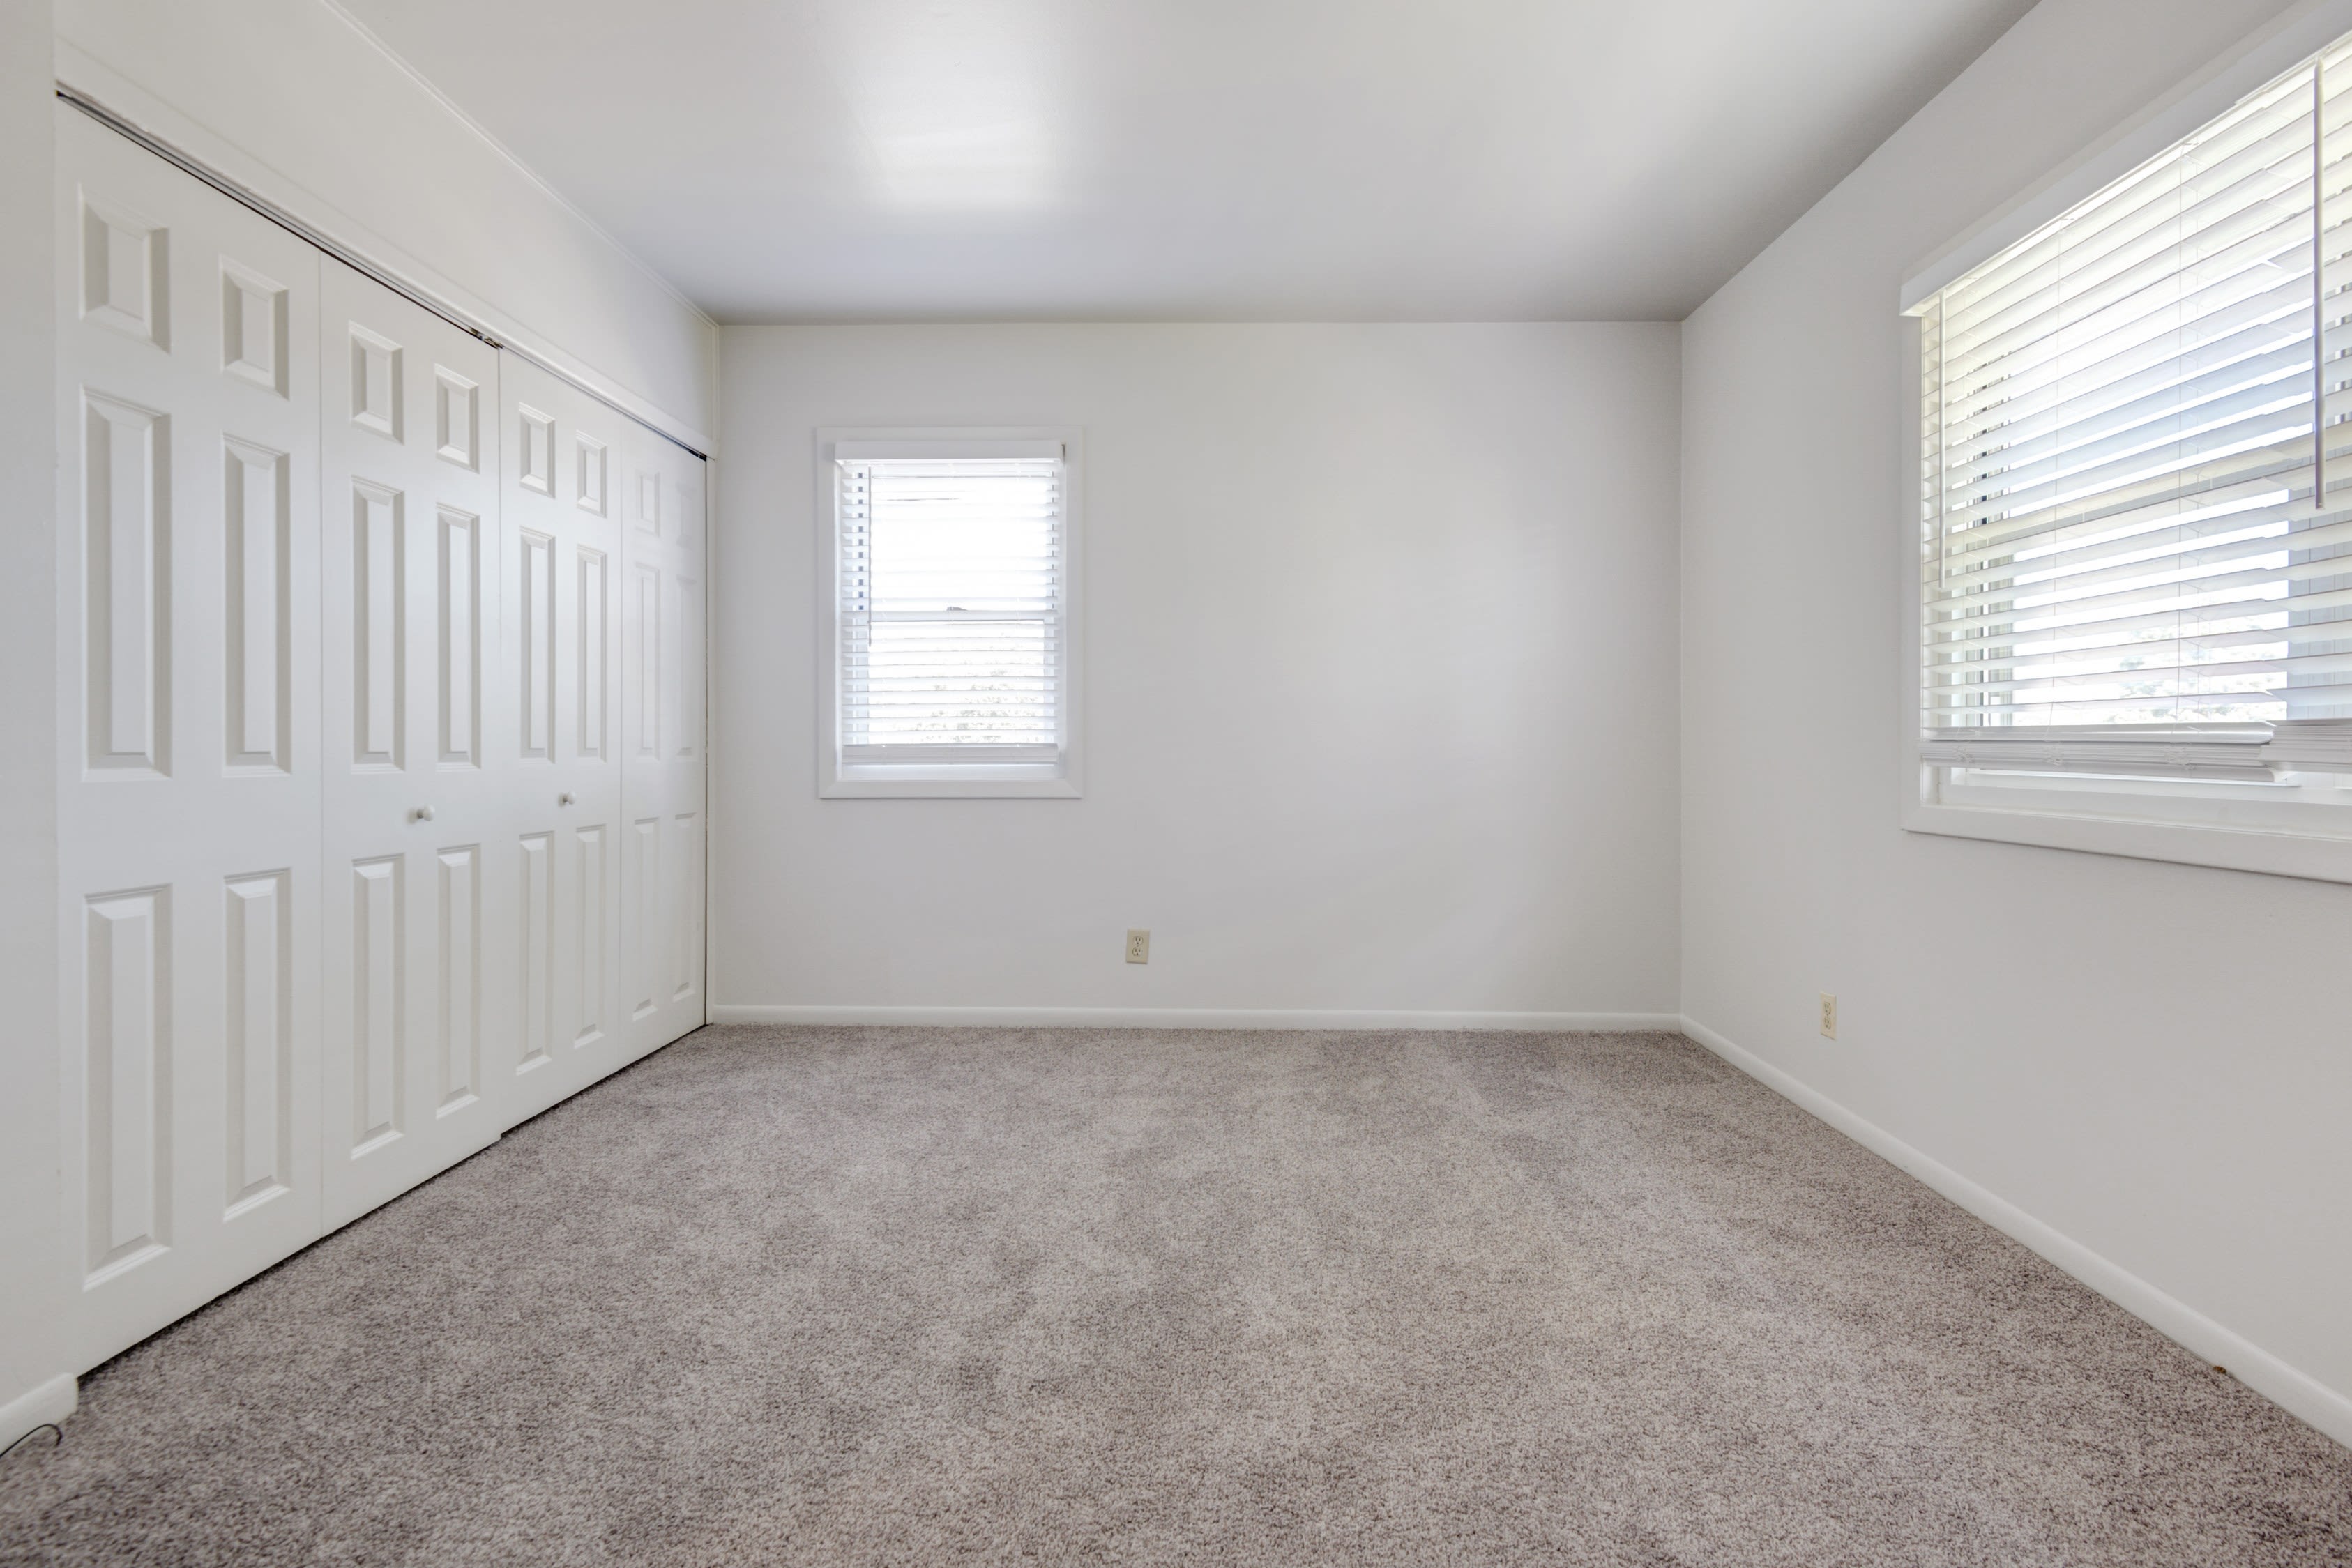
966 1296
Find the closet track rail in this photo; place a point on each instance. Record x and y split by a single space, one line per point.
121 125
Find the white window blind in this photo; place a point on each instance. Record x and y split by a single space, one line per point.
953 609
2138 558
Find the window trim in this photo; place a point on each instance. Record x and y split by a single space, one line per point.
2265 53
2319 857
838 779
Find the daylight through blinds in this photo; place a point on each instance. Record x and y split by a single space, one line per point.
953 606
2123 523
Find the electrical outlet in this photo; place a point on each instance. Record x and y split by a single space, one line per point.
1139 946
1829 1016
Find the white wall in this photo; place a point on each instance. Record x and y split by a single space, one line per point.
1380 661
295 100
32 1258
2153 1061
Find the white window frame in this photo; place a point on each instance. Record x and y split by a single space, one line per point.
2208 827
838 779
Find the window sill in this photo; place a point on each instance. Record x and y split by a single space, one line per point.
2269 851
932 782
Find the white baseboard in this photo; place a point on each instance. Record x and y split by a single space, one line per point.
52 1401
1196 1017
2296 1392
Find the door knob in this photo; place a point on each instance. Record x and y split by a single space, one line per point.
564 799
422 814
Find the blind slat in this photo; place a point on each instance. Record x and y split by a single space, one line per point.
2119 474
953 604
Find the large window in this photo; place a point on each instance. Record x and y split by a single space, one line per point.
2136 494
950 601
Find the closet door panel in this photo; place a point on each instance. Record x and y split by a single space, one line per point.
188 791
662 737
561 524
380 739
420 994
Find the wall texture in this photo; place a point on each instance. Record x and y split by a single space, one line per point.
33 1264
293 99
2152 1061
1379 650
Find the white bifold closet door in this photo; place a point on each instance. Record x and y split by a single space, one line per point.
662 685
561 659
188 737
380 723
421 879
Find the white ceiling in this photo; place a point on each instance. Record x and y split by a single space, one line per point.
1137 160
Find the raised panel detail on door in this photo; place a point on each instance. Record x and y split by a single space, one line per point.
188 779
376 375
459 918
593 903
126 540
379 965
535 435
594 656
649 500
646 670
535 619
258 990
379 626
130 1057
684 666
588 480
645 934
456 418
126 272
681 905
252 327
536 950
458 597
258 509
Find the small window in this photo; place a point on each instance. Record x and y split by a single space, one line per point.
2135 497
950 614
